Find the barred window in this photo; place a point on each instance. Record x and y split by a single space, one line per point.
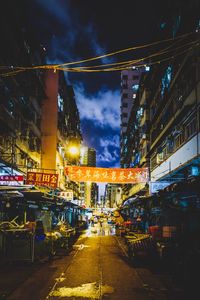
191 128
179 139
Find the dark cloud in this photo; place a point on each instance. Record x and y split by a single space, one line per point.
74 30
105 141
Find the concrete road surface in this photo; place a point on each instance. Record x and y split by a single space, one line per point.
97 268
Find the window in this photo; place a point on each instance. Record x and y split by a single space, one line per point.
135 87
140 112
125 95
191 128
176 25
165 152
179 139
199 117
125 105
162 25
24 100
124 115
147 68
11 107
124 124
165 82
134 96
135 77
198 26
125 77
125 139
60 103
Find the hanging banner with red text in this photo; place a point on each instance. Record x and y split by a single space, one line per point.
42 179
93 174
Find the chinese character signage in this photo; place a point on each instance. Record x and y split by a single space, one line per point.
11 179
92 174
42 179
68 195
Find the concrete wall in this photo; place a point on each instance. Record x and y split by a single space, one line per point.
49 121
183 155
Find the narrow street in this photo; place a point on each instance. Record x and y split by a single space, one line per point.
97 268
100 150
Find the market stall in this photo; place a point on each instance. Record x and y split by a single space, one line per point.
34 225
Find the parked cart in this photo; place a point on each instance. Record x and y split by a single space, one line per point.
139 245
17 243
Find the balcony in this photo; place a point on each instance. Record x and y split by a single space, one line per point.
178 159
7 118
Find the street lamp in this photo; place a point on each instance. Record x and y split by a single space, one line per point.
73 154
72 158
73 150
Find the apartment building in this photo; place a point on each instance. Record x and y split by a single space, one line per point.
38 112
89 191
129 87
163 128
21 99
112 195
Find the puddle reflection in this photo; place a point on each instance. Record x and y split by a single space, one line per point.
101 230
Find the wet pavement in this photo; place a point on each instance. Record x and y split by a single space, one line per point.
97 268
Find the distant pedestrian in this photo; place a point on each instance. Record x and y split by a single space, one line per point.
92 221
100 222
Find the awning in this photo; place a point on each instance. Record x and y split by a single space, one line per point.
130 200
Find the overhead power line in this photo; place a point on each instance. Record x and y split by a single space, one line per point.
117 66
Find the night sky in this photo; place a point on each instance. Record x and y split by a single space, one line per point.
80 29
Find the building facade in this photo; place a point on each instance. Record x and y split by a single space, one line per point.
38 113
89 190
113 195
20 102
163 128
129 87
175 104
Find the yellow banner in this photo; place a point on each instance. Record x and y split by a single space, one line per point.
109 175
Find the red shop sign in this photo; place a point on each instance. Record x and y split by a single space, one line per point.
11 178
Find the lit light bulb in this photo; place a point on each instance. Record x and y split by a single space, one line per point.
73 150
8 204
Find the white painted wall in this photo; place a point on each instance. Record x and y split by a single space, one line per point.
187 152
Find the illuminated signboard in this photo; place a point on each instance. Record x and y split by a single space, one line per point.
68 195
111 175
42 179
11 179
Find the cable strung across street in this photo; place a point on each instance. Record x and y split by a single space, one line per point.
156 57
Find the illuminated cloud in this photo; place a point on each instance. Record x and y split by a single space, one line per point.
109 151
110 141
103 108
106 156
69 38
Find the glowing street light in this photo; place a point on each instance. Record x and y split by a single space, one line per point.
73 150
